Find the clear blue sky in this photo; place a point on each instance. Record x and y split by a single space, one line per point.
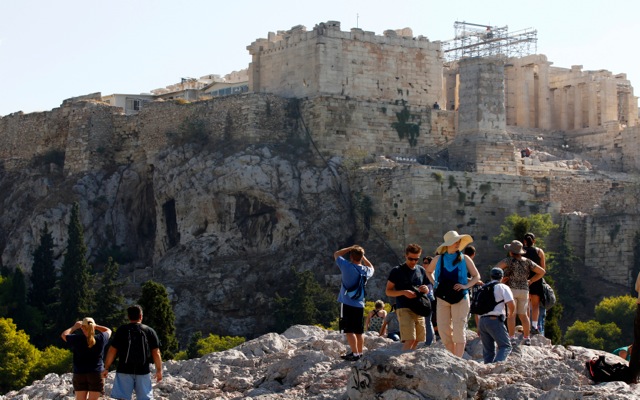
53 50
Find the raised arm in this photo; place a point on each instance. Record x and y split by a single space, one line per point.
342 252
68 331
101 328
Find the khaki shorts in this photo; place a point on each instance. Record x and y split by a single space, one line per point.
521 298
412 326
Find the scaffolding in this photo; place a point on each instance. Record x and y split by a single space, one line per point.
476 40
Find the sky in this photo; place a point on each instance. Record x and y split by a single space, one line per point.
54 50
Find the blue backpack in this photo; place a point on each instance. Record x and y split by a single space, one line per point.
357 292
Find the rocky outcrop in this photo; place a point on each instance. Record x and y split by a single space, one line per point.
304 362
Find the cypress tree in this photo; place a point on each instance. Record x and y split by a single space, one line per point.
158 314
111 301
43 273
76 296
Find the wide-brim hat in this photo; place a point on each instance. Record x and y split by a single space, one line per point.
515 247
451 237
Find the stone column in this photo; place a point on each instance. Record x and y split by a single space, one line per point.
609 100
577 106
481 143
544 96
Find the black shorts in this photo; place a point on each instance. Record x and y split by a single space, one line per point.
352 319
536 288
88 382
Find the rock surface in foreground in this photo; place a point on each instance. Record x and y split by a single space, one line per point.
304 362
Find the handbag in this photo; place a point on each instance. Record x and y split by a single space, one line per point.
445 290
420 305
447 293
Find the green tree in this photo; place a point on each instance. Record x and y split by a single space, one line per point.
158 314
42 293
43 273
76 296
562 266
17 356
214 343
620 310
515 226
192 347
52 360
552 330
111 301
594 335
307 303
24 316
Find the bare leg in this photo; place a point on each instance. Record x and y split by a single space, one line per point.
81 395
458 349
359 342
534 303
526 326
511 324
351 339
94 395
409 345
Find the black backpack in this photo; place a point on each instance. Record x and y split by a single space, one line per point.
483 300
138 350
600 370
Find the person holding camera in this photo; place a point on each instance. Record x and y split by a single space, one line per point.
404 281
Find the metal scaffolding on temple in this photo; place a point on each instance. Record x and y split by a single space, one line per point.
477 40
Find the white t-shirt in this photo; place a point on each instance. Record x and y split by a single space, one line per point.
501 292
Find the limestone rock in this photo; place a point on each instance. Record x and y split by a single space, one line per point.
304 362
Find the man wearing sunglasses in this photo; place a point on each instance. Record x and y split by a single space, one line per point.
402 280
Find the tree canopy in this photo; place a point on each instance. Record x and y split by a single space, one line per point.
158 314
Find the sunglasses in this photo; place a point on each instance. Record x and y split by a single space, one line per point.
412 259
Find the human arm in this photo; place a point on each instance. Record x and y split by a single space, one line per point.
108 360
383 328
511 307
101 328
366 323
157 361
543 263
392 292
342 252
68 331
475 276
366 262
539 273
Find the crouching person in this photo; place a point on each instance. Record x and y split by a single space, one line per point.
491 327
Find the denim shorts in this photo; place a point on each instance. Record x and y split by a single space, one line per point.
124 385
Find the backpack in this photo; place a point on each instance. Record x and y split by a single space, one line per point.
599 370
549 297
138 350
357 292
484 301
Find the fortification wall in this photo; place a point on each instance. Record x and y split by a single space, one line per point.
93 134
416 204
357 128
359 64
630 144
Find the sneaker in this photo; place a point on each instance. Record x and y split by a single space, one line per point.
527 342
347 356
534 331
352 357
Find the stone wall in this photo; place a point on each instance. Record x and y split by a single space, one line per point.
360 64
417 204
357 128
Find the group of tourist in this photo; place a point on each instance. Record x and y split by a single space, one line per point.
447 279
88 340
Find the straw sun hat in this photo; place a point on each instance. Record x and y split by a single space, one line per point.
451 237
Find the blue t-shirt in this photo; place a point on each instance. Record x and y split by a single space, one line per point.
350 276
87 359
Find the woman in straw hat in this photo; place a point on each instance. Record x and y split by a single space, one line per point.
88 347
449 271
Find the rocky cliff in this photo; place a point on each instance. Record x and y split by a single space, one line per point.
304 363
